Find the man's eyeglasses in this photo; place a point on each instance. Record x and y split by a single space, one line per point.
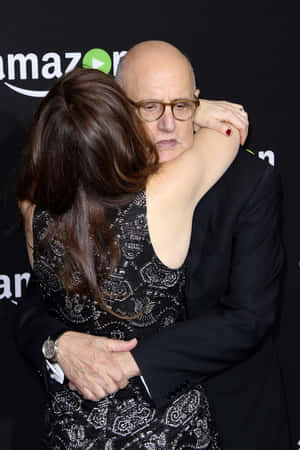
151 110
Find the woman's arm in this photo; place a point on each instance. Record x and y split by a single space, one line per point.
187 178
27 209
173 192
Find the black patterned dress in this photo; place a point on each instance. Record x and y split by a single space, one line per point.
140 283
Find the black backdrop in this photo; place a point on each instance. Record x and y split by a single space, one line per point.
242 51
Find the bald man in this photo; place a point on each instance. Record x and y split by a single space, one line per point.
233 273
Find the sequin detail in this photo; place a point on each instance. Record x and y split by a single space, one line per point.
140 284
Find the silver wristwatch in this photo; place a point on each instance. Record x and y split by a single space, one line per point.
49 349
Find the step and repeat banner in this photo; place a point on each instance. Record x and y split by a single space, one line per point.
241 52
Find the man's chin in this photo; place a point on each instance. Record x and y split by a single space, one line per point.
168 154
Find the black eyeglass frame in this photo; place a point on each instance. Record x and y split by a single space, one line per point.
164 104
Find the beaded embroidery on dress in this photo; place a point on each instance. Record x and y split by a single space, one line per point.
140 283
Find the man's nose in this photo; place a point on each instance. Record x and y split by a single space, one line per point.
167 122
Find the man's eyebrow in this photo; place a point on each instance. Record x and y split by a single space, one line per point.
161 101
182 98
150 100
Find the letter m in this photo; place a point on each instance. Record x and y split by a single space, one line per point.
22 61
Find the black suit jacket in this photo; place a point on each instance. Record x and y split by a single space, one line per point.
232 293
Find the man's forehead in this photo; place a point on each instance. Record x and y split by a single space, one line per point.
160 83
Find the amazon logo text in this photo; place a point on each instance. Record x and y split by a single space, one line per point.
17 68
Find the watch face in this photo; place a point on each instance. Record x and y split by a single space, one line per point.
49 349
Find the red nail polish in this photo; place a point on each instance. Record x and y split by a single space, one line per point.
228 131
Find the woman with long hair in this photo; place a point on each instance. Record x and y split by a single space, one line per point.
108 230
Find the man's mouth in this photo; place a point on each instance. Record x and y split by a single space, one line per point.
166 144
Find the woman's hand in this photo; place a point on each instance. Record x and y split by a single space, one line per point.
213 114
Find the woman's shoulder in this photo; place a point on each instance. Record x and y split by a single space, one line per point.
26 208
31 214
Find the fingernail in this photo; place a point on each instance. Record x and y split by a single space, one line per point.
228 131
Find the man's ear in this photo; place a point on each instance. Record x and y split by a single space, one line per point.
197 93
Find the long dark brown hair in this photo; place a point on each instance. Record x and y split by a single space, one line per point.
86 153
